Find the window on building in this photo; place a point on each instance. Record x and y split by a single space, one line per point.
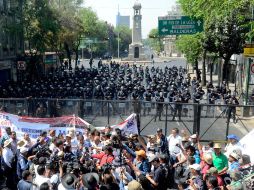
1 4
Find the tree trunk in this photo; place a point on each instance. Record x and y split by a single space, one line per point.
211 69
68 52
204 69
76 57
197 71
225 71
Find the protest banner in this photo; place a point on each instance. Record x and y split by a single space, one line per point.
247 142
128 126
34 126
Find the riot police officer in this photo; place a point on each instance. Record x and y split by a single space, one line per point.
212 97
232 103
148 99
178 106
159 106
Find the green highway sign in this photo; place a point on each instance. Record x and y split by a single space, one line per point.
179 25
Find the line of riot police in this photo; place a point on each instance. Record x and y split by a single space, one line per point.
122 82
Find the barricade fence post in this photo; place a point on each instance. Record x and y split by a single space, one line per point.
166 120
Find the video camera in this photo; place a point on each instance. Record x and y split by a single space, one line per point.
42 151
106 169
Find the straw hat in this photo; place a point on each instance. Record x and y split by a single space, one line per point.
21 144
208 158
217 145
134 185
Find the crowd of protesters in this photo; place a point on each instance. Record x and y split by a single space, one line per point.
110 160
119 82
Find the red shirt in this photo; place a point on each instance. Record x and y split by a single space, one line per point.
104 158
220 181
205 168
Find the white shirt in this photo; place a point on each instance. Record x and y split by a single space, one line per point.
100 145
7 156
54 178
14 146
74 145
40 180
172 142
61 187
52 147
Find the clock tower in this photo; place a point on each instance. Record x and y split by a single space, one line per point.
136 49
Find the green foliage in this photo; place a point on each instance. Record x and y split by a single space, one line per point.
191 47
226 25
155 41
124 39
40 25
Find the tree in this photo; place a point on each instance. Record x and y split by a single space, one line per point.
191 47
69 37
155 41
124 39
40 26
225 20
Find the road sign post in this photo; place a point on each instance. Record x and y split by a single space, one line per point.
179 25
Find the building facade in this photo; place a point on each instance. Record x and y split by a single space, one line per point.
11 38
122 20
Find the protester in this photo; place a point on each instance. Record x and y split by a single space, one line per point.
121 163
158 179
233 144
195 181
26 182
220 161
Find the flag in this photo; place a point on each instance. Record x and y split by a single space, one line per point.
128 126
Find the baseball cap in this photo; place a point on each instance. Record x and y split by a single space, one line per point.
232 136
141 153
235 155
195 167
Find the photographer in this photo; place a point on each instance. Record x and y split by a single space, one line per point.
159 176
109 182
140 163
105 157
195 182
43 175
26 182
121 173
162 142
23 161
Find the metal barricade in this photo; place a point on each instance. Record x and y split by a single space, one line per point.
211 122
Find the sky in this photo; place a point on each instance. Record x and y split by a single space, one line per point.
151 10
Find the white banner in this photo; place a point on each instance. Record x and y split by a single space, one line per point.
129 126
34 126
247 142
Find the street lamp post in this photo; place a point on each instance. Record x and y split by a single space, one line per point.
118 44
